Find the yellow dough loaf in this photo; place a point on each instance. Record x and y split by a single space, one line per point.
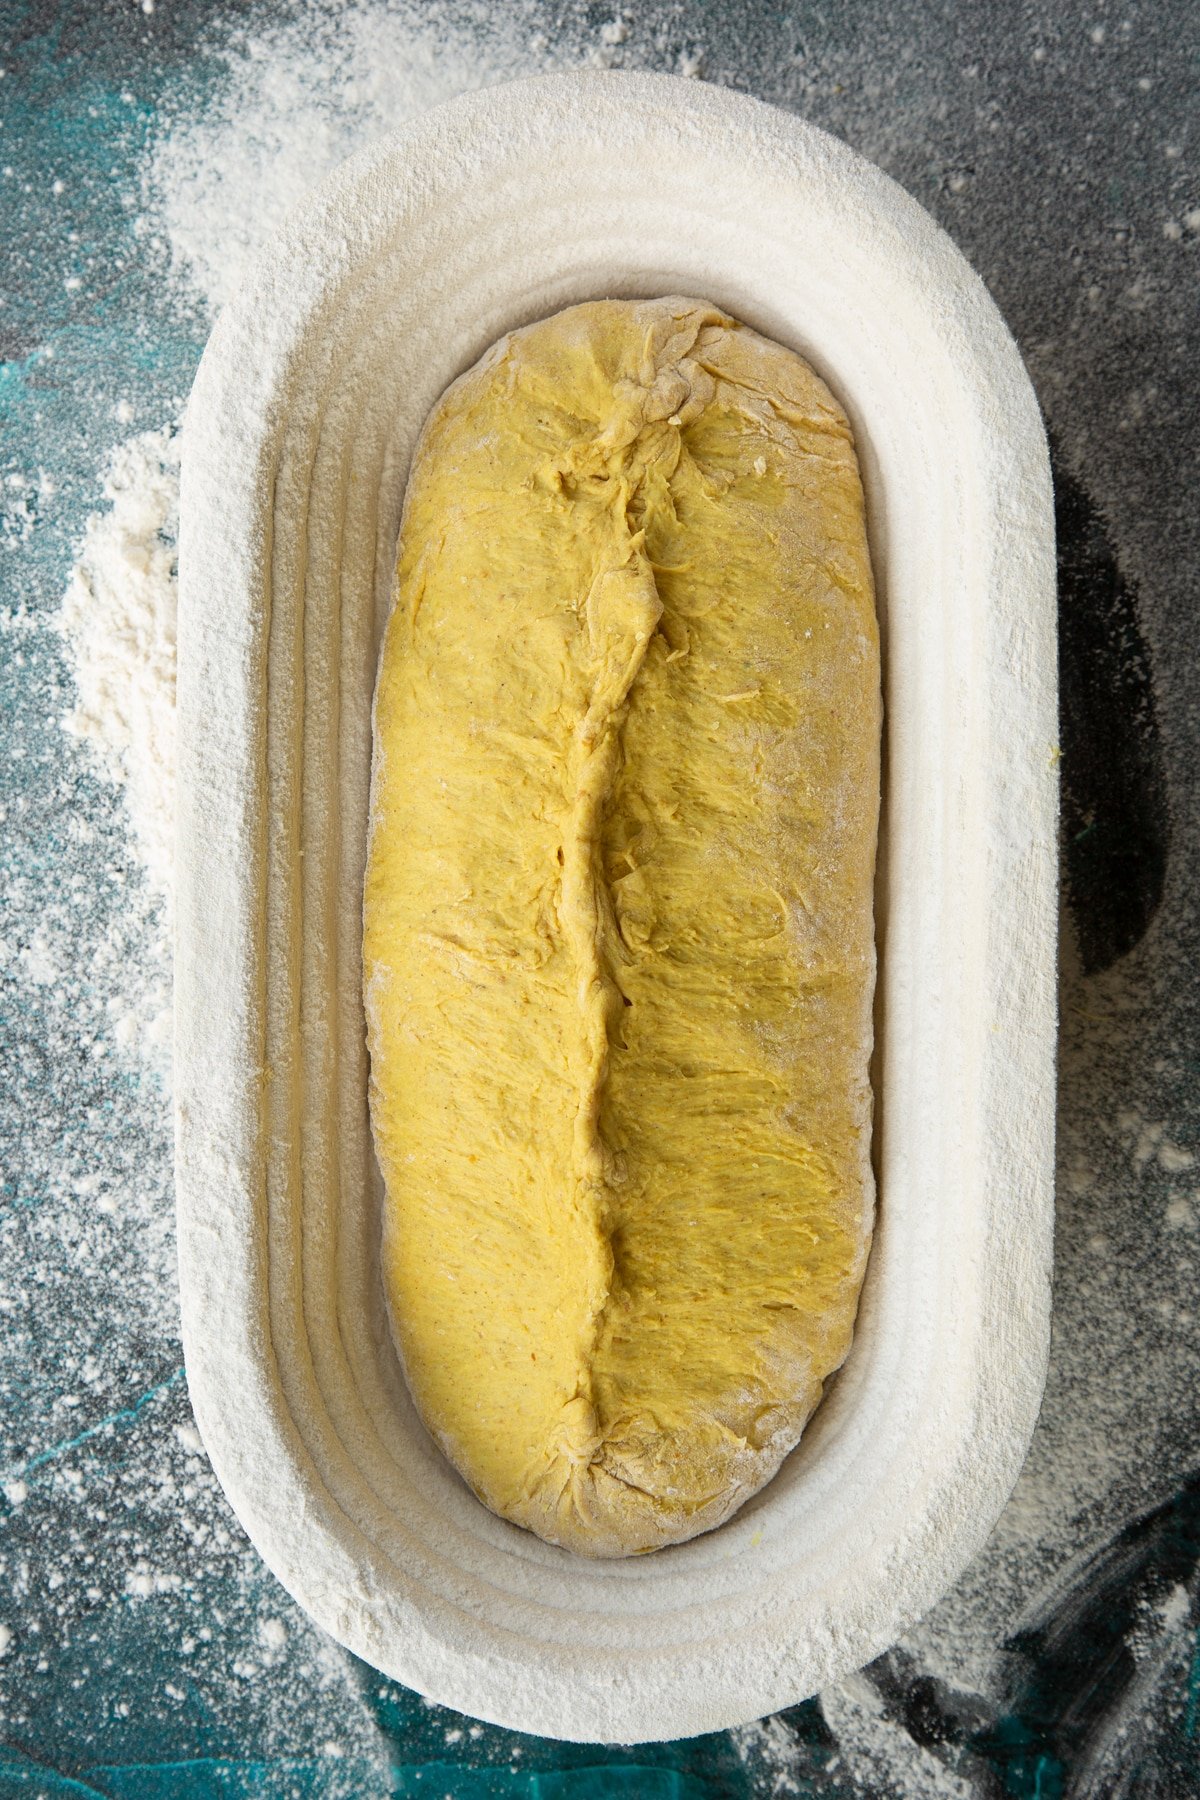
619 956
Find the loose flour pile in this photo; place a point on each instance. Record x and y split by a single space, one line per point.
296 98
119 619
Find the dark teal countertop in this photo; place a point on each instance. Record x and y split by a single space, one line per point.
145 1651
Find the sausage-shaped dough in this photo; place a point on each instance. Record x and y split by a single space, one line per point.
619 955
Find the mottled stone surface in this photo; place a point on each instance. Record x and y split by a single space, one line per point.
145 1650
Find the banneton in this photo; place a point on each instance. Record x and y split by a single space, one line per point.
493 211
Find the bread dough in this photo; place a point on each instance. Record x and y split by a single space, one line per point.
618 938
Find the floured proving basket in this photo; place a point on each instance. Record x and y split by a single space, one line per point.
490 212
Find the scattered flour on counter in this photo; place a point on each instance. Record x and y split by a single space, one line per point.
879 1750
304 94
118 619
118 624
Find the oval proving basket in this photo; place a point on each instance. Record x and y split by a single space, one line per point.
490 212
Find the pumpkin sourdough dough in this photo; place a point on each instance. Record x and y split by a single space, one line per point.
618 941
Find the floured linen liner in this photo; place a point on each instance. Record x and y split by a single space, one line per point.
393 280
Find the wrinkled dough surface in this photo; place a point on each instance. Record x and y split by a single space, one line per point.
618 938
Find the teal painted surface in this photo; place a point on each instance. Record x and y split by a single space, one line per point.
150 1653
